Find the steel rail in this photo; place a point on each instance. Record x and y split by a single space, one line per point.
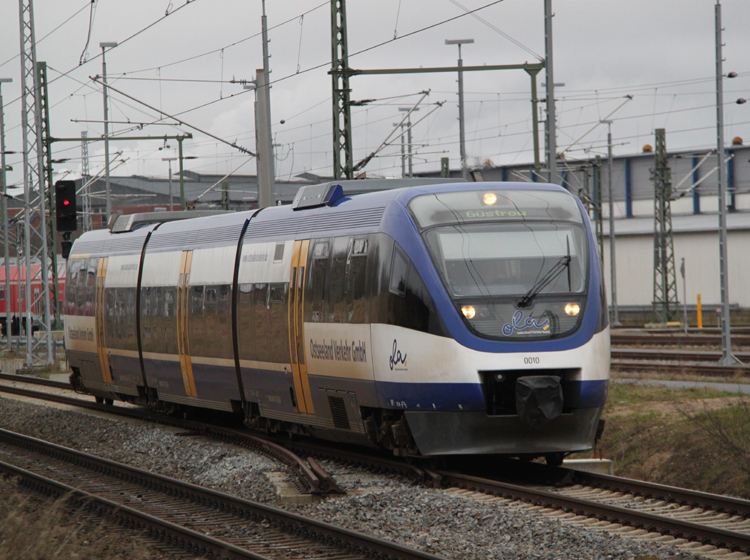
35 380
673 355
310 481
664 339
289 522
719 538
164 531
709 370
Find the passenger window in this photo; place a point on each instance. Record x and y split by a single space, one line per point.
399 268
356 282
277 293
337 312
318 281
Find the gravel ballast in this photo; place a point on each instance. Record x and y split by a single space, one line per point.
380 505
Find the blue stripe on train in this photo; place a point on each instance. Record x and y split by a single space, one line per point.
469 396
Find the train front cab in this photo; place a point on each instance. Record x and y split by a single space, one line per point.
516 279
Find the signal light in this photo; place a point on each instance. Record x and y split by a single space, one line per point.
65 206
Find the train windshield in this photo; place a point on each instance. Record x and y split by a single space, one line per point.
511 276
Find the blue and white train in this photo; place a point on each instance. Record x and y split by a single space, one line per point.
433 320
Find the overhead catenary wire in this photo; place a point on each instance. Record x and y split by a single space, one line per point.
180 121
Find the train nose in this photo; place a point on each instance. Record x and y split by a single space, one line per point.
539 399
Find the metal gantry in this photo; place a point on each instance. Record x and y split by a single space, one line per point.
343 160
38 351
85 187
665 304
48 189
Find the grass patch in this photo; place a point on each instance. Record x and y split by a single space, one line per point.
633 393
38 529
681 437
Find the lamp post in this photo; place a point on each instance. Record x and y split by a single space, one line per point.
104 47
410 153
727 358
3 185
170 160
461 135
612 266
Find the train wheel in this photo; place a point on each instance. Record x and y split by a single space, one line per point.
554 459
109 402
99 400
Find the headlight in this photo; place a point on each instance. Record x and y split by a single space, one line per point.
572 309
489 198
468 311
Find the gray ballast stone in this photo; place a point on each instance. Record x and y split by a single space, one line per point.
385 506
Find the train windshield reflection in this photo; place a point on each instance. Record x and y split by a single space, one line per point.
491 260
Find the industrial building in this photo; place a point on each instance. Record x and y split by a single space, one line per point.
694 207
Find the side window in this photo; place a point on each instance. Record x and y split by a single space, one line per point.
356 274
146 318
110 317
86 305
245 326
71 286
337 312
261 319
196 321
276 343
170 320
318 280
399 269
403 299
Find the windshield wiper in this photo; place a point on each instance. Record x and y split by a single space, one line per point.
545 280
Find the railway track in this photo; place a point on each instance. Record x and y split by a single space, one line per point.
645 338
705 523
310 476
715 534
672 355
203 522
709 524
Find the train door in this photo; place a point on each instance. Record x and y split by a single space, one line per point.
296 324
99 313
183 342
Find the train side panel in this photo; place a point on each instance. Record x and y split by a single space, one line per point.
204 329
119 337
158 297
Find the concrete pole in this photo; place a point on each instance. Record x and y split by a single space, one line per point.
182 174
3 185
263 139
550 87
461 133
266 171
171 204
104 47
403 152
727 358
612 260
410 153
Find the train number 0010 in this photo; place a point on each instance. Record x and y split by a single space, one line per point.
533 360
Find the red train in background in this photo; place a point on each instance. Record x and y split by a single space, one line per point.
18 291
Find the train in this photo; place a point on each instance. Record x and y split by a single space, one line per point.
434 320
16 303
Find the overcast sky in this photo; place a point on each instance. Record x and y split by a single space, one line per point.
662 52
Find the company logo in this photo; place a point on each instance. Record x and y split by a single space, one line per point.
529 326
396 357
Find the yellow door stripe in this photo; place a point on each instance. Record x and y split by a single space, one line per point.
293 344
183 347
100 314
304 379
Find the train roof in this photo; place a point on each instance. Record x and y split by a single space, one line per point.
337 214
